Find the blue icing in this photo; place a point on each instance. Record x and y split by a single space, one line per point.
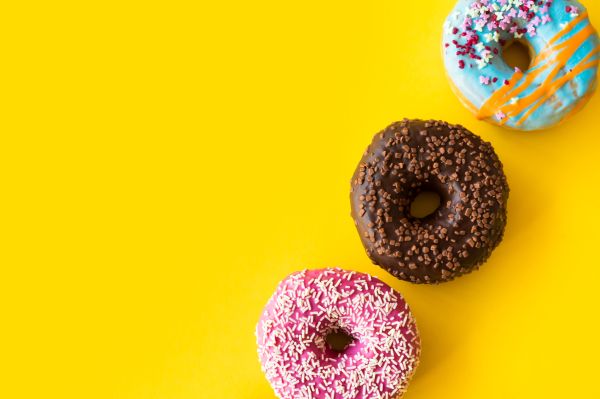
554 108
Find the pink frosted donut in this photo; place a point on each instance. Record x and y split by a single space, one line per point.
294 331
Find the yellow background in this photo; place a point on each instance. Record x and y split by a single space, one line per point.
164 164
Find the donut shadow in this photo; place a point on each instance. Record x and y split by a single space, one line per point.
442 337
527 204
437 340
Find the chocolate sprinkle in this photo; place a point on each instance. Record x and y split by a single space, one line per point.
413 156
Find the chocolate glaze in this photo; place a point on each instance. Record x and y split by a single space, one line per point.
413 156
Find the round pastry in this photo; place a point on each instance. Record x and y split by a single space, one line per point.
382 348
411 157
564 60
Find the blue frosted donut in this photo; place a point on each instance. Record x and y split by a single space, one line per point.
562 76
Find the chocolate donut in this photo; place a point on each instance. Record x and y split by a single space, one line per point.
414 156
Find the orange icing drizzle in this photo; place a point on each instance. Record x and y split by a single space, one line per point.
554 56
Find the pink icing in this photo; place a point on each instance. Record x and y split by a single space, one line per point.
308 306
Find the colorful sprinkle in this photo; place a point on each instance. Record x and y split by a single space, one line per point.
497 21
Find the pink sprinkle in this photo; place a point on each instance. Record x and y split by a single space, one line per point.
518 70
467 22
545 19
500 115
484 80
471 36
531 30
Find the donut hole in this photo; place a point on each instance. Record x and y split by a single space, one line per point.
338 341
518 54
425 204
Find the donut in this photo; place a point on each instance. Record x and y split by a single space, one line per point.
562 76
310 306
415 156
